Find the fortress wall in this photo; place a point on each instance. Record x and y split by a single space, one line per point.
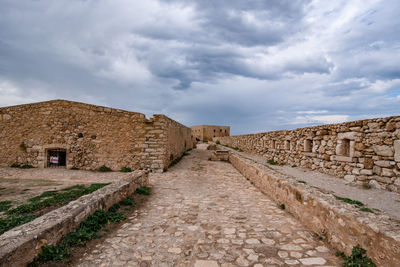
166 140
91 135
358 151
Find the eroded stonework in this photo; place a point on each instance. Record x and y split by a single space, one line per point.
366 151
90 136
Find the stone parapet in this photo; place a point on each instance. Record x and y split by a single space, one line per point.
340 224
366 151
19 245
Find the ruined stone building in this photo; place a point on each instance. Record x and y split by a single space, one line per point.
71 134
208 132
364 152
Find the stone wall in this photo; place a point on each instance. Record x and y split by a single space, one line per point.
208 132
166 140
91 135
340 224
359 151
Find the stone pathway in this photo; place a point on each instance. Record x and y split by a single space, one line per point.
204 213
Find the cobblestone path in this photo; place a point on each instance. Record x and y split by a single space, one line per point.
204 213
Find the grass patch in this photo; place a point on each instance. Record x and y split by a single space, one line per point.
356 203
5 205
27 212
218 142
282 206
364 209
87 230
104 168
74 168
53 198
358 258
13 221
302 182
24 166
143 190
294 166
350 201
272 162
126 169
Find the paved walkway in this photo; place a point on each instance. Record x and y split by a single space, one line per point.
204 213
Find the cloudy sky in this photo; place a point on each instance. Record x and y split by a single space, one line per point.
256 65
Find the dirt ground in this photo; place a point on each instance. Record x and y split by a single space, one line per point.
18 185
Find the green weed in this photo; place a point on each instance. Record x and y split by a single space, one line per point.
104 168
303 182
272 162
143 190
358 258
350 201
126 169
282 206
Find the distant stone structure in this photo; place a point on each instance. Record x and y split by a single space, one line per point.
71 134
208 132
366 151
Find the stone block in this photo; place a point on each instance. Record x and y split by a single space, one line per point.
396 146
387 172
383 163
374 184
366 172
383 150
348 135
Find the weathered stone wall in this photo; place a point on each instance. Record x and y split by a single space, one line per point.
359 151
208 132
19 245
91 135
166 140
339 223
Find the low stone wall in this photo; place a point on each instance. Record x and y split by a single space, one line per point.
339 223
358 151
19 245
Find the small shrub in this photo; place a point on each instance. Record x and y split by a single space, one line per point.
126 169
218 142
128 202
104 168
15 165
282 206
358 258
303 182
74 168
26 166
272 162
143 190
294 166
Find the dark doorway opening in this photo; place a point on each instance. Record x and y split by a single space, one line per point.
56 158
